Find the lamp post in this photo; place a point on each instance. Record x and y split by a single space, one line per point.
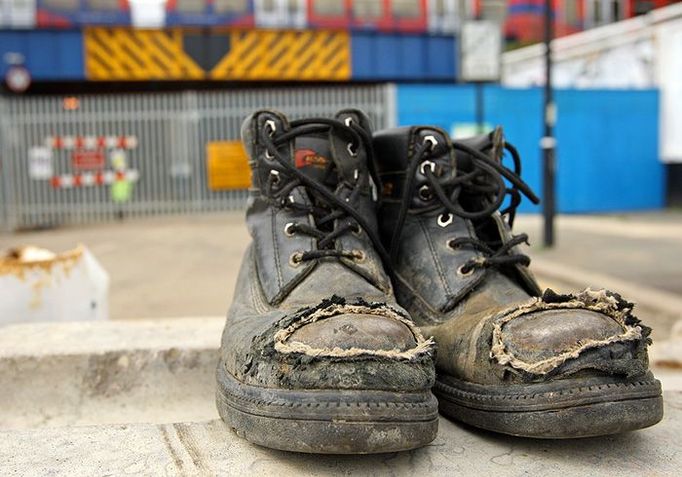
548 142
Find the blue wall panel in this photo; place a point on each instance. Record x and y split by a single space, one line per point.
49 55
607 152
388 57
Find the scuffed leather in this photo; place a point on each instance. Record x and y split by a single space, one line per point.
460 311
272 290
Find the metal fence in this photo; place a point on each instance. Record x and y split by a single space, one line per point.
158 140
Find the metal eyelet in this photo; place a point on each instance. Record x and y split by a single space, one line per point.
269 155
432 141
425 193
356 229
451 244
296 259
348 121
288 229
291 199
445 219
274 176
359 256
270 124
423 165
356 175
349 148
461 272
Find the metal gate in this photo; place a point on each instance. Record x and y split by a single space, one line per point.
155 144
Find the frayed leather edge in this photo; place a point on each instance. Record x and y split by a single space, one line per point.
602 301
336 306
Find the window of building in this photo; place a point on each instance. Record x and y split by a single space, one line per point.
268 6
101 5
367 9
230 6
294 6
329 8
62 4
190 6
643 6
406 8
571 15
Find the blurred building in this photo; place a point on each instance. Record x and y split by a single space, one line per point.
78 143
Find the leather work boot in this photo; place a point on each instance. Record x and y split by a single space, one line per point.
316 355
511 358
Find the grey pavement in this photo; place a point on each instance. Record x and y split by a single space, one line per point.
187 265
209 448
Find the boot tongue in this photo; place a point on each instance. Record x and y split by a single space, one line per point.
313 157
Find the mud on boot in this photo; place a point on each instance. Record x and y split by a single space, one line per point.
316 355
510 358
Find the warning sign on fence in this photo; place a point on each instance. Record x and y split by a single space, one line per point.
39 163
227 165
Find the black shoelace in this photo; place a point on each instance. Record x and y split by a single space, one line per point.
333 217
485 180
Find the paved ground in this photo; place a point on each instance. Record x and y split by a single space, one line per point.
187 266
136 397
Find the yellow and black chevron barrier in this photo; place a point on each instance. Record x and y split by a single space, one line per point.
128 54
286 55
249 55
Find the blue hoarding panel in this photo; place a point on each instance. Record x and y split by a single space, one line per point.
387 57
607 140
48 55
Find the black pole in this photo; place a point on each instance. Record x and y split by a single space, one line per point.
480 111
548 142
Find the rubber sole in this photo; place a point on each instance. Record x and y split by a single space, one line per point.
327 421
561 409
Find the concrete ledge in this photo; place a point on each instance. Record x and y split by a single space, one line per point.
209 448
65 374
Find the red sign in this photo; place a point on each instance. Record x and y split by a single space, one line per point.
82 159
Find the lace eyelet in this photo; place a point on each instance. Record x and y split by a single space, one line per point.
359 256
274 177
348 121
296 259
272 126
423 165
425 193
465 270
445 219
356 230
356 175
451 244
351 152
431 139
288 229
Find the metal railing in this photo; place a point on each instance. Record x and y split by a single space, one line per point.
157 140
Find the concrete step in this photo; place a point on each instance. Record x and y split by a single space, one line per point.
78 373
209 448
114 398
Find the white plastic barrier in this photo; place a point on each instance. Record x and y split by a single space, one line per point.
38 285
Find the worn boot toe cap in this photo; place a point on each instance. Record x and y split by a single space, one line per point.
545 334
356 331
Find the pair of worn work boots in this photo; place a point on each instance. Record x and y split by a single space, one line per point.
371 250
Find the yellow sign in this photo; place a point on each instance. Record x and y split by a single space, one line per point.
286 55
227 165
137 54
